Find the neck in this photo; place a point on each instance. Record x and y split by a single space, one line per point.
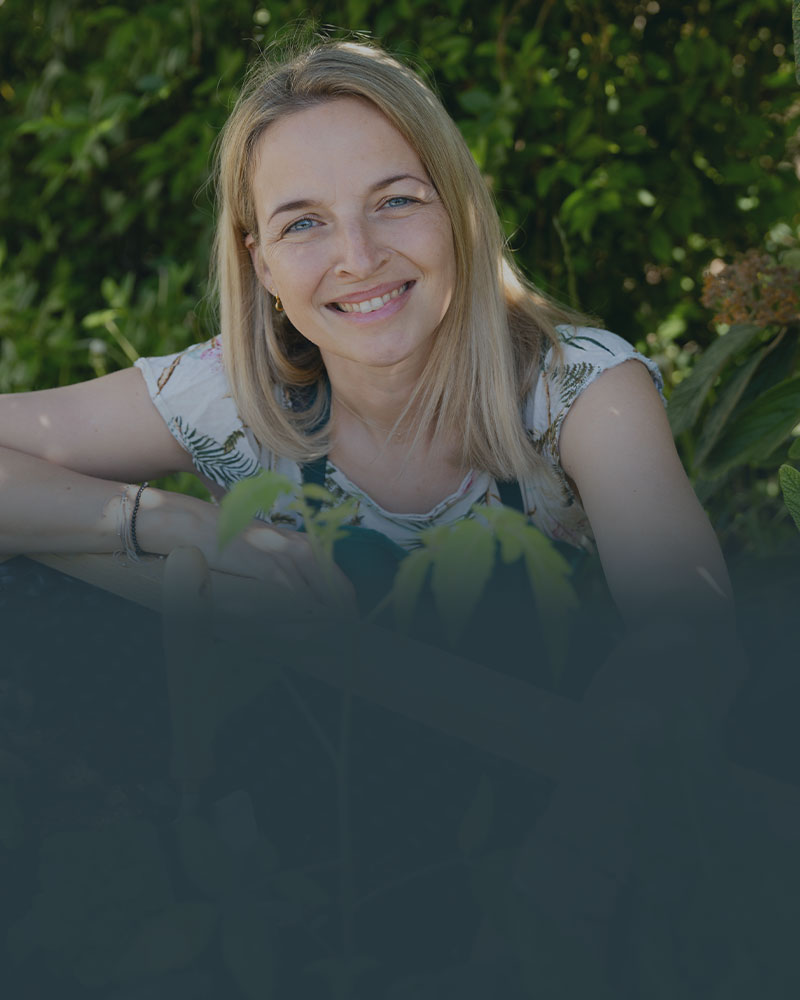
384 429
376 398
365 435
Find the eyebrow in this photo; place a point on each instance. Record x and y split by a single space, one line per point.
303 203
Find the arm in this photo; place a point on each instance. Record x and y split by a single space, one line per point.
659 553
67 454
107 428
65 457
658 550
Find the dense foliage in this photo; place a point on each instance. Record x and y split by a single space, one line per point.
629 146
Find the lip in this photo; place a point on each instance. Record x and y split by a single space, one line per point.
371 293
392 306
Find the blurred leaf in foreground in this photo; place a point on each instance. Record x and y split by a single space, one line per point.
790 485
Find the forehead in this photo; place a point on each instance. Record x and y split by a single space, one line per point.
342 141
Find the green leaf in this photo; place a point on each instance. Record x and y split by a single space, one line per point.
324 527
510 546
477 821
170 940
245 499
547 176
102 318
789 478
547 570
687 55
329 521
476 101
794 451
508 526
661 245
687 399
407 585
589 147
462 565
579 211
759 429
151 81
578 122
314 491
729 397
549 573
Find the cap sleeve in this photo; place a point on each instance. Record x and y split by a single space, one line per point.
586 353
191 392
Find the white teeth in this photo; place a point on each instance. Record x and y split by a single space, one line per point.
370 305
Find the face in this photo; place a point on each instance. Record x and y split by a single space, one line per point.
352 235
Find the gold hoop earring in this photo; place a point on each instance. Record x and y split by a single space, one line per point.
278 306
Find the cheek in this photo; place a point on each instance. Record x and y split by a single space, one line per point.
433 246
447 260
449 254
297 271
445 249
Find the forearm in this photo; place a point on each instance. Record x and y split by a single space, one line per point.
661 577
47 508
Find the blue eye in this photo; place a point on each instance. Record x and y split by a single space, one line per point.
401 199
301 226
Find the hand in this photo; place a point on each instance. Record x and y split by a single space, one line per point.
286 564
287 578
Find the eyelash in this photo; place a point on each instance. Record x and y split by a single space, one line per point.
290 230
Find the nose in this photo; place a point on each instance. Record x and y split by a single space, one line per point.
358 253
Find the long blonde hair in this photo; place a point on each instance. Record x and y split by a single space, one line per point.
487 350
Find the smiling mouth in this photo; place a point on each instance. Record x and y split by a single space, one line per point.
370 305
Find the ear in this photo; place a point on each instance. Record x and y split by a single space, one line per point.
263 273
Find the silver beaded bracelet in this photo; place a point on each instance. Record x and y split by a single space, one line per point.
127 526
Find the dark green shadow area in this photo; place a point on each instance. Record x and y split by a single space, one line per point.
122 883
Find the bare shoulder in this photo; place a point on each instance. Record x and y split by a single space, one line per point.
653 537
619 418
106 427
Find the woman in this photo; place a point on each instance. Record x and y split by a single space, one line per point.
368 312
376 336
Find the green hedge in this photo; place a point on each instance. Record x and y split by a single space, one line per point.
627 145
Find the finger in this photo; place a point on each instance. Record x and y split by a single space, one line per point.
328 583
263 602
312 591
295 553
283 575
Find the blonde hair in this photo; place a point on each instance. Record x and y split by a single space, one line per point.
487 350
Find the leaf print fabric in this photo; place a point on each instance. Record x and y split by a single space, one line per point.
192 394
222 463
586 353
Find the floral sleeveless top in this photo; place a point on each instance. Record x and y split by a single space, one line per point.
192 394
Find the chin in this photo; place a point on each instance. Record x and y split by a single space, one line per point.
386 359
